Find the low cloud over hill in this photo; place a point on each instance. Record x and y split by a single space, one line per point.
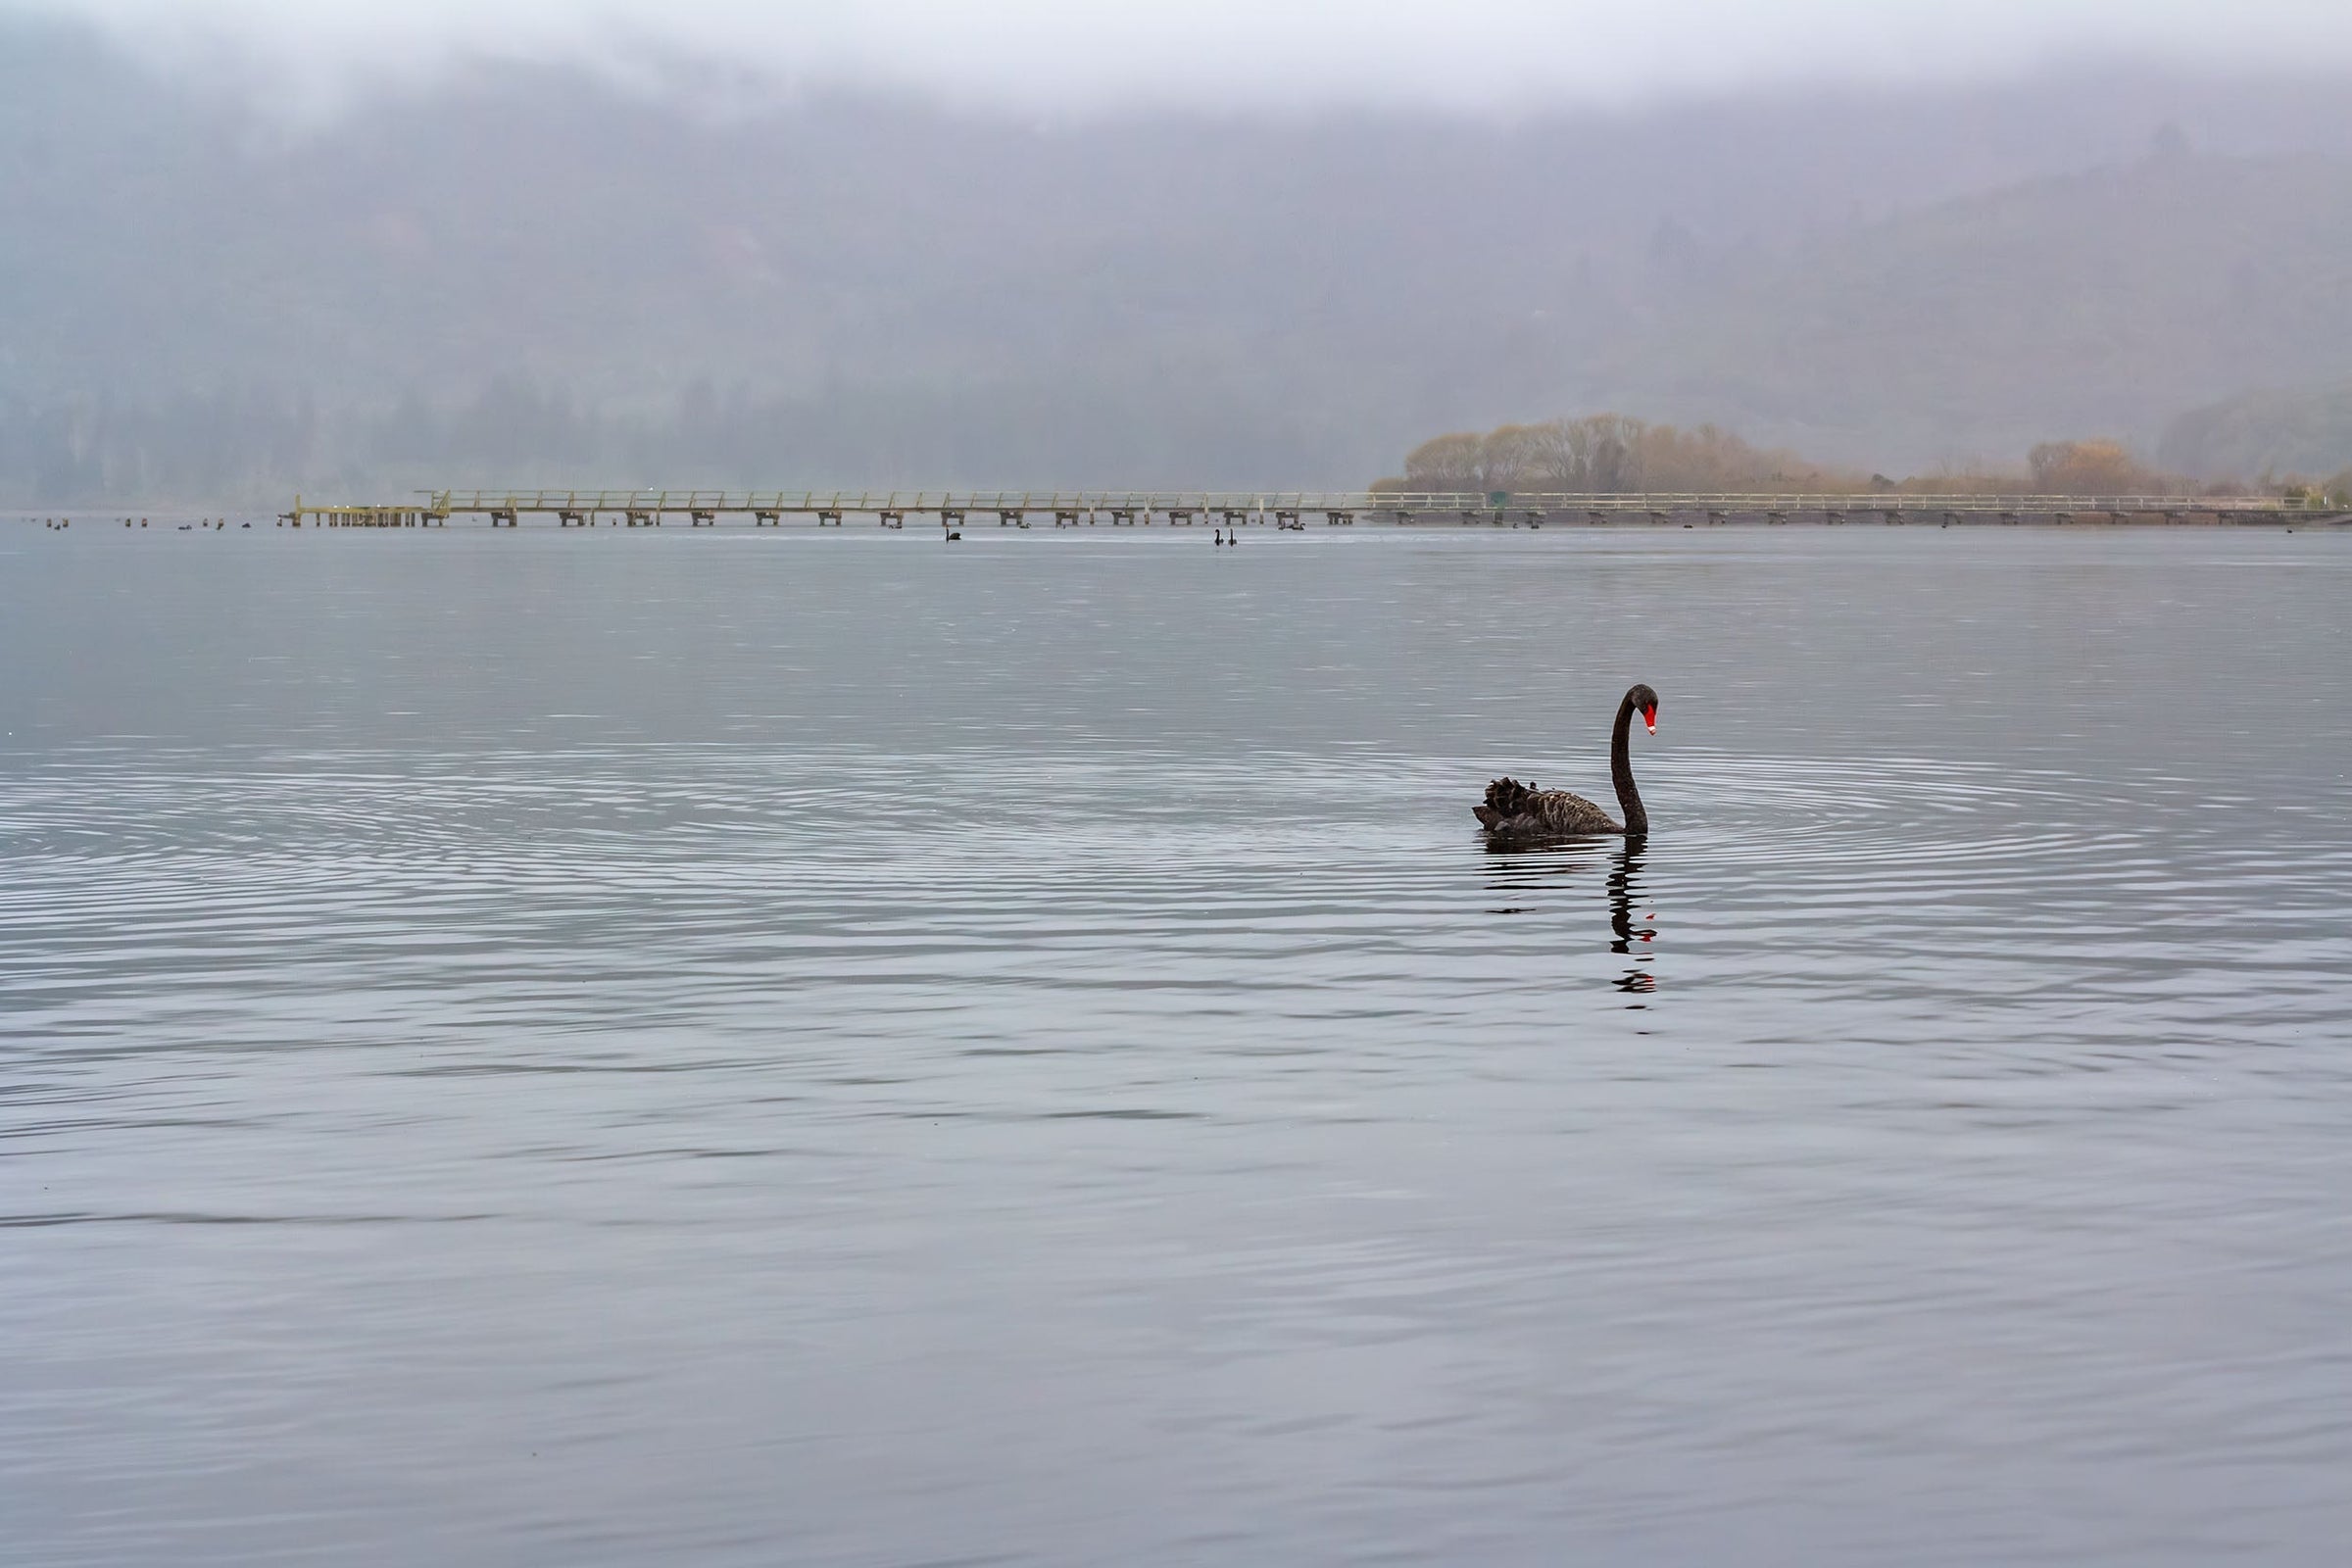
520 271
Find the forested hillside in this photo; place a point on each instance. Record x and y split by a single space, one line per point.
2102 303
2265 432
521 273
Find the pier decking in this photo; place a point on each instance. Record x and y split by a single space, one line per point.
1291 510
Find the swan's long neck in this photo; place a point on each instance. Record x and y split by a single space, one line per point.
1621 772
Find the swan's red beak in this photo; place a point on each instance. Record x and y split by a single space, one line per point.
1650 717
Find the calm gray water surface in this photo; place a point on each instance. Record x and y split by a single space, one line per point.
627 1048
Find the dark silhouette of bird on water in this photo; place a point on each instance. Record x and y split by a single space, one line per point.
1516 811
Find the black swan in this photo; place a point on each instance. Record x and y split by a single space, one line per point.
1513 809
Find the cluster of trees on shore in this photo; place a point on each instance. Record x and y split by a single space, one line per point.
1613 454
1605 452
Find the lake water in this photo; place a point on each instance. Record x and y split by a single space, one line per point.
560 1047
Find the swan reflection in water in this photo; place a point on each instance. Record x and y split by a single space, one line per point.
1627 938
1522 868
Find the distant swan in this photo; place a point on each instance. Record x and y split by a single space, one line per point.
1513 809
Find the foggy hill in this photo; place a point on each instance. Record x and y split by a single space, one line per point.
2099 303
523 272
2305 434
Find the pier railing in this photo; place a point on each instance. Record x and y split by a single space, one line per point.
1288 508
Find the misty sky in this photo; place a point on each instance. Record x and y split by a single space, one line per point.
1096 53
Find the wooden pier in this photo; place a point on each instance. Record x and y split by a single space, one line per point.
1290 510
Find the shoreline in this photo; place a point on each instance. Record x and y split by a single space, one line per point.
1622 519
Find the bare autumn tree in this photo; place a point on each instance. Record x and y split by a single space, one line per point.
1598 453
1445 462
1616 445
2088 468
1504 456
1556 459
1708 458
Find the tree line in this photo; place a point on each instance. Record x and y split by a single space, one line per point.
1605 454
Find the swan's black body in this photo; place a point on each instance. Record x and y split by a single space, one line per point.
1517 811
